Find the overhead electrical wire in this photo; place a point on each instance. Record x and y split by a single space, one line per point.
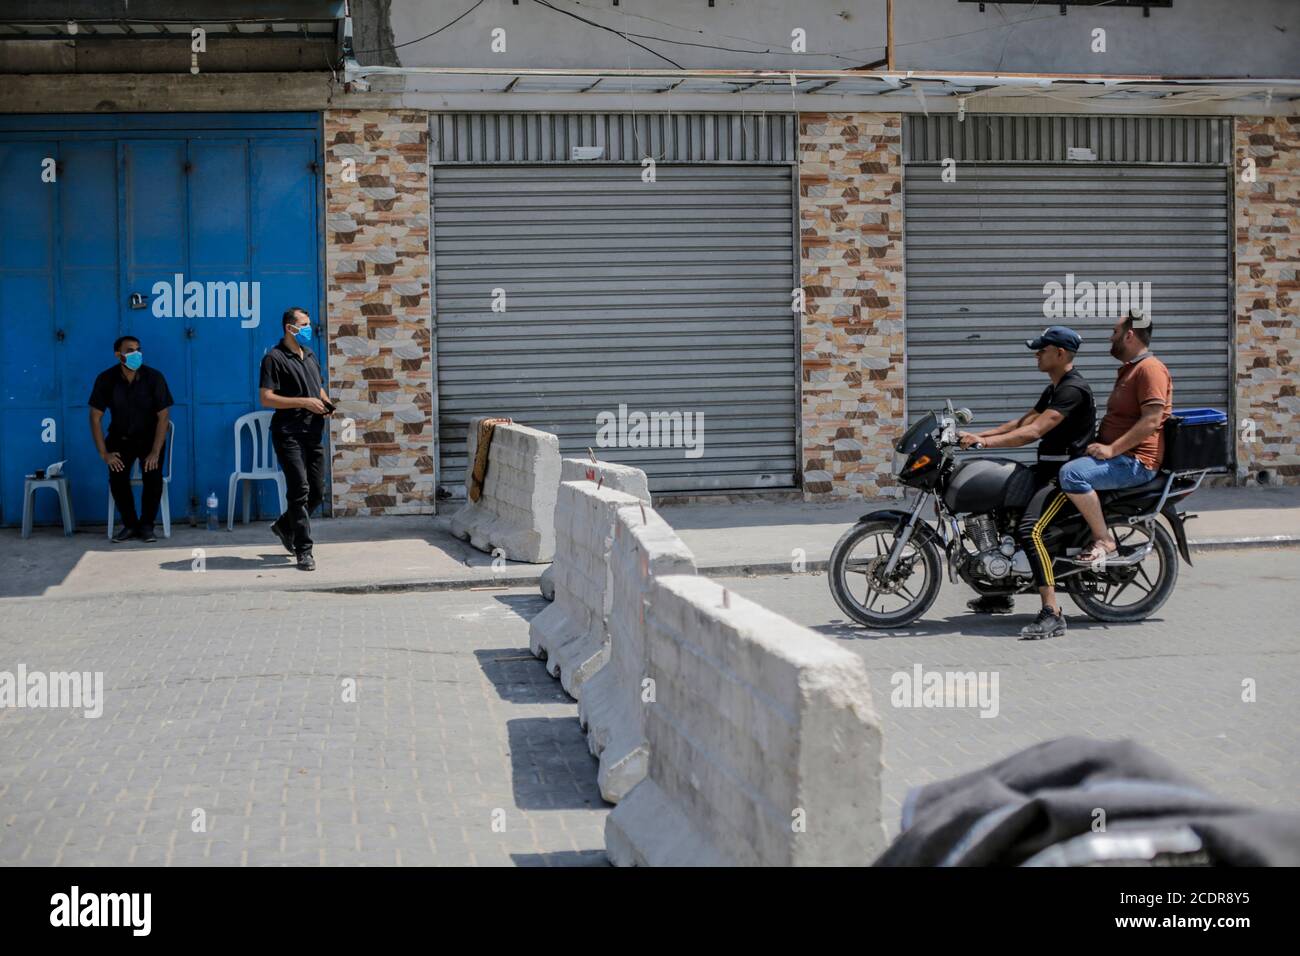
631 37
601 26
445 26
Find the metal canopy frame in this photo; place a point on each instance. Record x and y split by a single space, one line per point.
893 89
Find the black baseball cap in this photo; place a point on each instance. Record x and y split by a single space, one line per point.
1060 335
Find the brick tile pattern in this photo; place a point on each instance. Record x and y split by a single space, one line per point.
456 749
380 338
1268 306
851 224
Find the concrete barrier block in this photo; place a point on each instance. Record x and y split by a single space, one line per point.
614 700
764 748
571 633
623 478
516 511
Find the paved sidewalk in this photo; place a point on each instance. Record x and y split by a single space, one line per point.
362 554
299 729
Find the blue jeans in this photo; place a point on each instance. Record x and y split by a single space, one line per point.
1088 474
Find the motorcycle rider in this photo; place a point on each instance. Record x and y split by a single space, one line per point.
1130 443
1062 422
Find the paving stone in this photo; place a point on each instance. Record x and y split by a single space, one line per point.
232 704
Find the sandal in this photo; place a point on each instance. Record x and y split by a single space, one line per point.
1095 553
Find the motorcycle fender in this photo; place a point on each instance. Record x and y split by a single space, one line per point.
1180 535
900 518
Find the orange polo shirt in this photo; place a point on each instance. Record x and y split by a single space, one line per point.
1138 383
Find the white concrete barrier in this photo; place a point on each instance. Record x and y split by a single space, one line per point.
623 478
571 633
613 705
764 746
516 511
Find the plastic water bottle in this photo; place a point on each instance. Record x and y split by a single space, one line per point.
214 523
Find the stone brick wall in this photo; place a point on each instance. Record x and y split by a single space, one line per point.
851 222
1268 304
378 322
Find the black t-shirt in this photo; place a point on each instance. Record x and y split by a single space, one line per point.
133 406
286 374
1072 397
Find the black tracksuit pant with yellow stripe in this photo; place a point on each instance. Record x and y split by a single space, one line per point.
1047 505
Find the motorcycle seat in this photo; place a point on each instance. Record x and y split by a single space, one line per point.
1152 488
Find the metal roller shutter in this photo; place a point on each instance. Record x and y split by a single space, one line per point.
980 250
671 296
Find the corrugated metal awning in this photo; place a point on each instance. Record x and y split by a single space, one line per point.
160 19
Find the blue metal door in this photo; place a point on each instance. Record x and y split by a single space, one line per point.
223 209
31 434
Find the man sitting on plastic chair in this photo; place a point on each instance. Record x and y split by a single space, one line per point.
139 400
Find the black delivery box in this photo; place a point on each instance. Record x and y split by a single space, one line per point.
1196 438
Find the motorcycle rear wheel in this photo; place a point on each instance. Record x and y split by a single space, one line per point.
1156 581
854 569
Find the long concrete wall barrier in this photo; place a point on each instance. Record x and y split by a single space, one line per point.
623 478
516 511
571 633
613 702
764 748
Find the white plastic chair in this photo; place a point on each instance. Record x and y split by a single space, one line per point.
264 466
164 506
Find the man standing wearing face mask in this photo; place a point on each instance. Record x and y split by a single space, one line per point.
291 384
138 399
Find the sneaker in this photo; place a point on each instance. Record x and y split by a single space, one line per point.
1046 624
282 535
147 533
993 604
306 562
125 534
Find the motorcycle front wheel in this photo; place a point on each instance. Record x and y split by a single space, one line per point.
865 593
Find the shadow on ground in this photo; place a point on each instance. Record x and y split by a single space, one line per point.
562 858
1001 626
519 677
552 769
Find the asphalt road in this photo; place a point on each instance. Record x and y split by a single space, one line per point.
1174 683
415 728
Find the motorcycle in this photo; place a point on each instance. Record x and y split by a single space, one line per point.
894 557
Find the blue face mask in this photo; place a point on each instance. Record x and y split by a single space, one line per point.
303 334
134 360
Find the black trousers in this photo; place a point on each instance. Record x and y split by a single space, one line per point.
1047 504
302 459
132 450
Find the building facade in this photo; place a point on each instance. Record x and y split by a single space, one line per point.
742 270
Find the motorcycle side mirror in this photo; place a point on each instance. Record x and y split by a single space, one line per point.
964 416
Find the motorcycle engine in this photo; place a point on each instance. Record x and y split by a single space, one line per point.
995 556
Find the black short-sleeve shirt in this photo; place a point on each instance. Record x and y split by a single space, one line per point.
286 374
1072 397
133 406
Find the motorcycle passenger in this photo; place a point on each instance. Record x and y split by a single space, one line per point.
1063 418
1130 443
